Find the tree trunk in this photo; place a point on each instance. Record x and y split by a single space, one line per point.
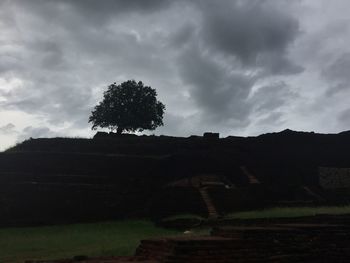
119 130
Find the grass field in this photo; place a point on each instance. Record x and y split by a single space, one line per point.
291 212
55 242
111 238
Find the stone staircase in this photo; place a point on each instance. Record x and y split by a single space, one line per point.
251 178
212 212
313 194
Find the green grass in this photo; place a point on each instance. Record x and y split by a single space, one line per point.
112 238
95 239
291 212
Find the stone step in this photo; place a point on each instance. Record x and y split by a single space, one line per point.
212 212
251 178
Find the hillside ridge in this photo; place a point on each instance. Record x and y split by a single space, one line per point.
61 180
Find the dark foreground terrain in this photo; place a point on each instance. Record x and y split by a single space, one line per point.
312 239
63 180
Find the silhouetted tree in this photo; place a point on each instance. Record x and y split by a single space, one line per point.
130 106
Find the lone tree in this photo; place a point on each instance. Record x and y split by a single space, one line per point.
130 106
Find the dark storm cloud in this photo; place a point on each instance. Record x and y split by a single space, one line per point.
272 119
268 103
274 96
238 44
56 65
276 63
219 92
102 10
50 53
255 32
344 119
56 104
183 36
111 7
337 74
66 52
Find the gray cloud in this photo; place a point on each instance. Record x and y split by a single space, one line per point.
36 132
90 12
276 63
207 60
231 53
344 119
272 119
61 69
270 105
337 74
219 92
256 32
55 103
111 7
271 97
8 129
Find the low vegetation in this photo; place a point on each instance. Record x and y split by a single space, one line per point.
291 212
184 216
94 239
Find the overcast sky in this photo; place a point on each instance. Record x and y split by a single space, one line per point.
235 67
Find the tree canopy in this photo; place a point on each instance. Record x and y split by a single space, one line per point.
130 106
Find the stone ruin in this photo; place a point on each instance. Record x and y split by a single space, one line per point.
334 178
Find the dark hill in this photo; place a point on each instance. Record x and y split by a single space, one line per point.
65 179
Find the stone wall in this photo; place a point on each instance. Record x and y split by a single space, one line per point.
334 178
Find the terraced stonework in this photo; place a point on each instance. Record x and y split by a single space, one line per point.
97 260
292 242
269 243
334 177
190 249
